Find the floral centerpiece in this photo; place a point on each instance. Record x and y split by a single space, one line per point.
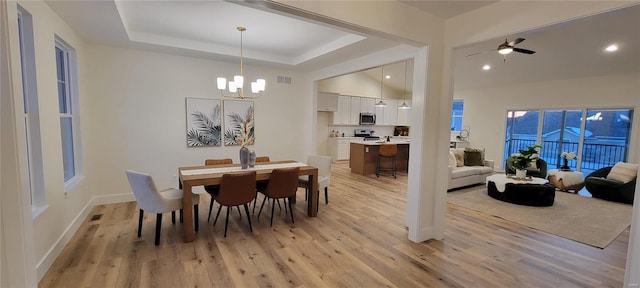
566 156
523 159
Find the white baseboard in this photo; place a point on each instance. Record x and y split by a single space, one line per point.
111 199
45 263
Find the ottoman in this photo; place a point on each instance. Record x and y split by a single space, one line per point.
566 180
533 192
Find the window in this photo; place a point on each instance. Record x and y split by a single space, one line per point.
599 137
68 107
456 115
34 169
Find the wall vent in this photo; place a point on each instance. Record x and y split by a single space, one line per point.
284 80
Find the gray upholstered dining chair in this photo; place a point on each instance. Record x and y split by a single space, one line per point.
150 199
323 163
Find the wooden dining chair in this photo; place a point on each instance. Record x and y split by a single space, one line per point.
151 200
236 189
214 189
283 184
262 159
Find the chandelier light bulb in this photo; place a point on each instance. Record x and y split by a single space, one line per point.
222 83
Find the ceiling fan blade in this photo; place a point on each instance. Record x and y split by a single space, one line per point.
525 51
477 53
514 42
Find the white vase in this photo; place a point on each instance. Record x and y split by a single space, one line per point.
521 173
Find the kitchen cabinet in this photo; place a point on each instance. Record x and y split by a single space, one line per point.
387 115
339 147
327 102
403 115
355 110
342 115
367 105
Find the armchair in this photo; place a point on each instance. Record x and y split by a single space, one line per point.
541 172
600 187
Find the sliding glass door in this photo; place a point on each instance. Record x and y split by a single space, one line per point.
600 137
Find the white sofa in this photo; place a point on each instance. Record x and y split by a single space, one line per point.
468 175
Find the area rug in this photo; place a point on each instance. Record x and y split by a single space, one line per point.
587 220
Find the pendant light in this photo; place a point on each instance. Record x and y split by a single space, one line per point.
404 104
236 87
381 103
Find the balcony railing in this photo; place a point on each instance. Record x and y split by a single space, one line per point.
594 156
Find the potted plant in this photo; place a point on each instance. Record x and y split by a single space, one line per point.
566 156
522 160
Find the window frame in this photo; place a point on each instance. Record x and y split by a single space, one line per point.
31 119
71 111
453 116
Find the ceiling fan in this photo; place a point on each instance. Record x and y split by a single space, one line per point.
508 47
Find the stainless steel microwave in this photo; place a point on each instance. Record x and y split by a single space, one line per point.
367 119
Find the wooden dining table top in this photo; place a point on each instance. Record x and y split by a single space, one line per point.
216 178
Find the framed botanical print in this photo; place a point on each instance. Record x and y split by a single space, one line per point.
239 123
203 122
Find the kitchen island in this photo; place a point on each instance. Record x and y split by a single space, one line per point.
364 155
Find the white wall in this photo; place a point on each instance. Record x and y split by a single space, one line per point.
138 120
63 209
358 84
485 108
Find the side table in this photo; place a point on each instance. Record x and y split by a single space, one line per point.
566 180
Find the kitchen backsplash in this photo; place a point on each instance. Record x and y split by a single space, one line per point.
348 130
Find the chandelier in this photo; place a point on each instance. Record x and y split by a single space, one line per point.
381 103
236 87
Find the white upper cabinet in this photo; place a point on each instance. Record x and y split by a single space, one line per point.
367 105
327 101
403 115
342 116
391 112
355 110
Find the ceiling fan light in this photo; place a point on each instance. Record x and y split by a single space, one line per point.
505 51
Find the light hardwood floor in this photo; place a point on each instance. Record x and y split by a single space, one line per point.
358 240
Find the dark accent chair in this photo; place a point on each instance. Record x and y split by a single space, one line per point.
600 187
540 173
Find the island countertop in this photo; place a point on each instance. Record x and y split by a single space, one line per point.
364 155
380 142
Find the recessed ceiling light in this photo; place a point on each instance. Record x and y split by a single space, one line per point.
486 67
611 48
387 77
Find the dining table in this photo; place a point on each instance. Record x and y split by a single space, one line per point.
192 176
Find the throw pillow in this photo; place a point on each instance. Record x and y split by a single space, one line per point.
623 172
459 157
473 158
477 150
452 160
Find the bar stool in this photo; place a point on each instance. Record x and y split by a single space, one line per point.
387 151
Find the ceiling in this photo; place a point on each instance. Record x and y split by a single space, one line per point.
207 29
567 50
